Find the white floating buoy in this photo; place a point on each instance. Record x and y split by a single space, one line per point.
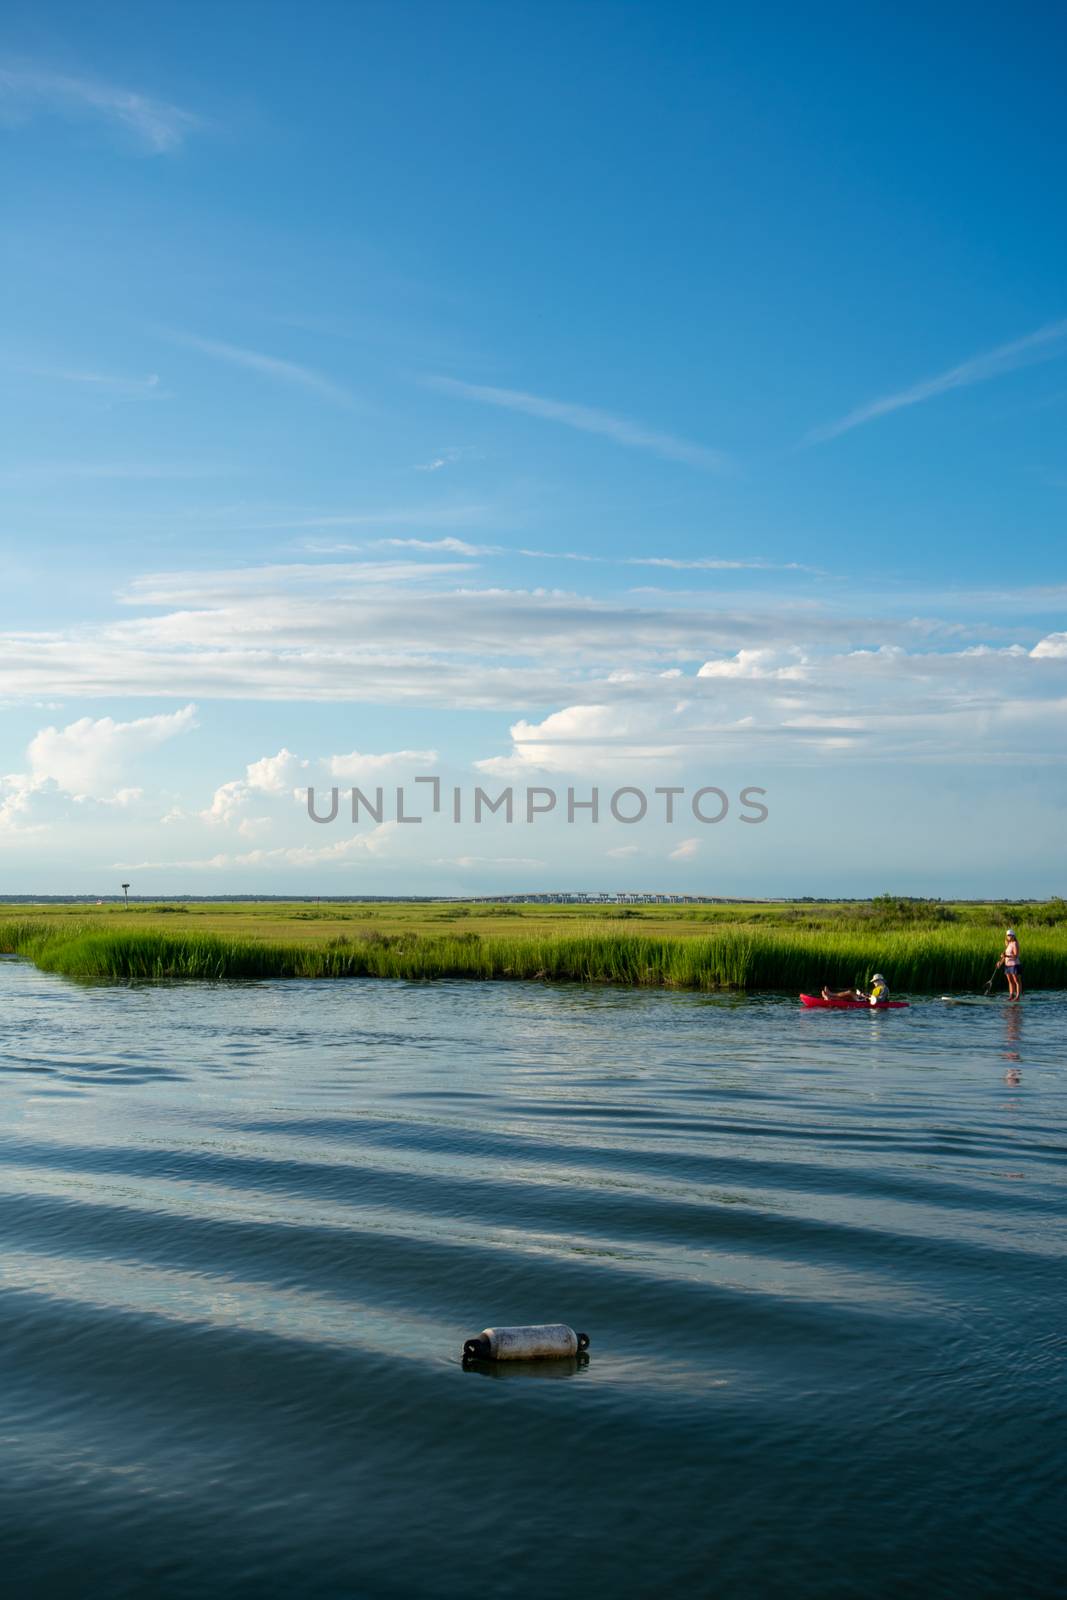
544 1341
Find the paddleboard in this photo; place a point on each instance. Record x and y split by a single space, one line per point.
851 1005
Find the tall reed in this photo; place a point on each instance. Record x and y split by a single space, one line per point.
922 961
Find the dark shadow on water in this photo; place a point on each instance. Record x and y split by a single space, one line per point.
565 1367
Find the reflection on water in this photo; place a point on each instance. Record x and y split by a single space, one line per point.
245 1230
561 1367
1013 1035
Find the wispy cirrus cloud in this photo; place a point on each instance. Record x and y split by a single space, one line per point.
156 125
675 563
110 385
457 547
464 547
357 847
266 366
1041 345
560 555
587 419
717 564
225 585
447 516
446 458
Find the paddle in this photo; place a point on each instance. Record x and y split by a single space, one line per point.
954 1000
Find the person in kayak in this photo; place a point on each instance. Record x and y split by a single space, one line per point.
1012 963
876 995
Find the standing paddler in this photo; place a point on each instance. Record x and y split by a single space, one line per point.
1012 963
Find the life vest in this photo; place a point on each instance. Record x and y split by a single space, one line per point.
879 994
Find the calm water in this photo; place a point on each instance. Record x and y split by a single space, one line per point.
245 1230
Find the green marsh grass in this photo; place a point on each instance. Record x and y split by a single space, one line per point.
947 957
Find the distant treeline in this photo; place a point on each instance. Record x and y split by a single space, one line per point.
917 907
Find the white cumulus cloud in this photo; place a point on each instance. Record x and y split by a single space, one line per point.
753 664
270 775
90 756
358 764
274 774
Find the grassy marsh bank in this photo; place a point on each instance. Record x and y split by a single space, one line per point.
828 944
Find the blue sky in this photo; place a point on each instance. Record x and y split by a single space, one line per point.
540 394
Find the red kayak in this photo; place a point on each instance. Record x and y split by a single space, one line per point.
851 1005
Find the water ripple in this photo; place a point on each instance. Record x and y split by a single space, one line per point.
245 1230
